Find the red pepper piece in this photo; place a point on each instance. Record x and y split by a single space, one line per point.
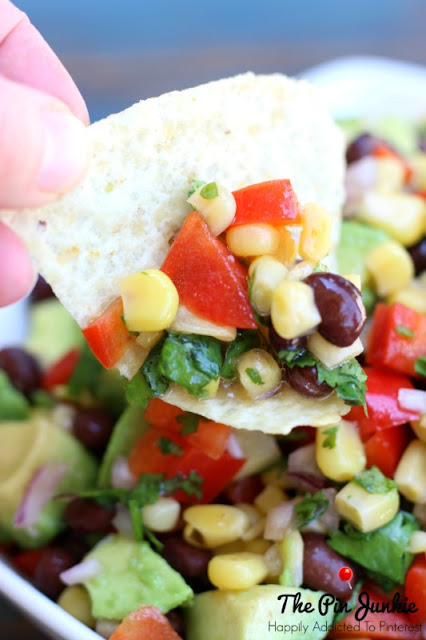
210 281
61 371
147 623
108 337
385 448
272 202
415 588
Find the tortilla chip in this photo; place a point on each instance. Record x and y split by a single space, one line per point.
124 214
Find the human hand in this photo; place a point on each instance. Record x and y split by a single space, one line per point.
44 149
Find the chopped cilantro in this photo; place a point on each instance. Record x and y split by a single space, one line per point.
330 441
138 391
168 447
420 366
311 508
195 185
244 341
373 481
348 379
404 331
254 376
209 191
189 422
350 605
151 370
296 357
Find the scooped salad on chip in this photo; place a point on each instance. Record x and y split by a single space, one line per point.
195 445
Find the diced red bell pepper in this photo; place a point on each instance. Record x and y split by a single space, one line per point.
415 588
147 456
211 281
108 337
147 623
387 347
385 448
211 437
61 371
273 202
382 402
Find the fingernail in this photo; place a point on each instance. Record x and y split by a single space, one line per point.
66 151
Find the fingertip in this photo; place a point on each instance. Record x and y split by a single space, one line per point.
17 275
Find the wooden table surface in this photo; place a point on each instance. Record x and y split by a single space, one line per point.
119 52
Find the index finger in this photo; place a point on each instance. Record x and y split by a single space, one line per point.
26 57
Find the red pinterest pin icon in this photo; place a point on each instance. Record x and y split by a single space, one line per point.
345 575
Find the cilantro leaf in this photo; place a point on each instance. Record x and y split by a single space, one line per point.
86 373
382 552
138 391
296 358
373 481
348 379
168 447
41 398
330 441
350 605
404 331
244 341
189 422
420 366
13 403
195 185
191 360
321 268
254 376
311 508
151 370
209 191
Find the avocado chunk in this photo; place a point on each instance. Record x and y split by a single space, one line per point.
356 241
13 403
53 332
130 427
256 614
26 446
133 575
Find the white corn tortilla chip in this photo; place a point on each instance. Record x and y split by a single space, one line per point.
121 218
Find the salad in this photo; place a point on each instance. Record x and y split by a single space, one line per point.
143 517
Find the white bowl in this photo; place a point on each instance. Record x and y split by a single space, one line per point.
360 86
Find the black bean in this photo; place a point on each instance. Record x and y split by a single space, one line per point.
304 380
93 428
176 621
363 145
22 369
278 343
418 254
339 303
190 561
84 515
42 290
321 567
52 563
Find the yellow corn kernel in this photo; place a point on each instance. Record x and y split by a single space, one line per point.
339 451
230 547
293 310
187 322
255 530
330 355
391 267
211 389
211 525
390 174
402 215
418 164
259 545
315 239
366 511
253 239
410 474
266 273
413 296
150 300
417 542
270 497
287 248
301 270
148 339
355 278
218 209
163 515
251 511
75 600
258 372
419 427
237 570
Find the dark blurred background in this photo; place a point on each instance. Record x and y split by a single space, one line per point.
122 50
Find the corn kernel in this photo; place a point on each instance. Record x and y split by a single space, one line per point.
287 248
301 270
269 498
211 389
237 570
330 355
293 310
390 174
258 372
402 215
187 322
218 211
418 164
255 530
150 300
253 239
251 511
366 511
412 296
315 239
417 542
391 267
419 427
211 525
266 273
163 515
355 278
148 339
259 545
410 474
76 601
346 458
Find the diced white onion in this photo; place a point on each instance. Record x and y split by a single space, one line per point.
233 447
361 176
412 400
122 521
40 489
304 459
278 521
105 628
81 572
330 518
121 476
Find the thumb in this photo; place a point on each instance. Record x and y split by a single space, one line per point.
44 150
